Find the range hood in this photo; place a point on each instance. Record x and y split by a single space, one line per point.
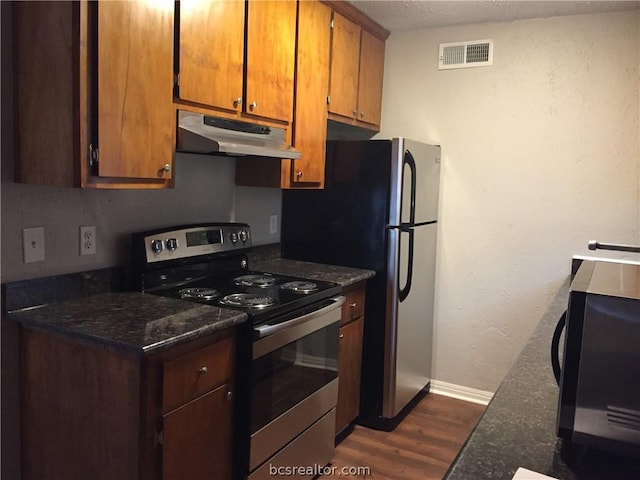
205 134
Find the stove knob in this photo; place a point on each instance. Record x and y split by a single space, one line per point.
243 236
172 244
233 236
157 246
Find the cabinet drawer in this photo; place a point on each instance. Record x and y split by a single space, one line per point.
190 375
353 307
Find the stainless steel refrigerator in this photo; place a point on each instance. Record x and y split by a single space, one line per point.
379 211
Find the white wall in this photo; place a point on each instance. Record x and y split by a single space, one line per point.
541 153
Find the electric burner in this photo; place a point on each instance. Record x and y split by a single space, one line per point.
248 300
300 286
255 280
198 293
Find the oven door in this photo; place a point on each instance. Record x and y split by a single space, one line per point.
294 381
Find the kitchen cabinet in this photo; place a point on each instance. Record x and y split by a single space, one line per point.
198 420
210 55
315 75
123 414
94 83
212 47
350 356
357 65
310 115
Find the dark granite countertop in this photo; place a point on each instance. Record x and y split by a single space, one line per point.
518 427
132 321
343 276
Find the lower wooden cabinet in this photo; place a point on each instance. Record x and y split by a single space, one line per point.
92 411
350 356
197 438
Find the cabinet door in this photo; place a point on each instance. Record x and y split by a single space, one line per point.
197 438
211 50
271 36
345 57
312 86
370 78
136 118
349 367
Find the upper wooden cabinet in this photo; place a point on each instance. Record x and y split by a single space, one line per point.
370 78
357 65
271 49
211 55
345 61
312 84
90 82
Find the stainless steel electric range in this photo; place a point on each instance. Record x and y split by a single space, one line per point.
286 385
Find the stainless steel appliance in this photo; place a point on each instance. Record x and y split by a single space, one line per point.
286 385
599 401
378 210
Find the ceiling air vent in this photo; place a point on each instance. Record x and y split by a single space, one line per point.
477 53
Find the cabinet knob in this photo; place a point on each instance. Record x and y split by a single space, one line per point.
229 395
341 335
166 168
355 113
253 106
238 101
299 175
353 305
203 370
361 114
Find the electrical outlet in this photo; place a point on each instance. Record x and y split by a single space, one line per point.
33 244
273 224
87 240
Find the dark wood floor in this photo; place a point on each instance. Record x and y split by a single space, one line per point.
421 447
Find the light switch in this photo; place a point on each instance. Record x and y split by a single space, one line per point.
33 244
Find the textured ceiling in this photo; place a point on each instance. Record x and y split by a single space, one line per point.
396 15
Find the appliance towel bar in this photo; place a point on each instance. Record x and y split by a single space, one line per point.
593 245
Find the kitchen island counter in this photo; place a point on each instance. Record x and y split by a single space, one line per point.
131 321
518 426
343 276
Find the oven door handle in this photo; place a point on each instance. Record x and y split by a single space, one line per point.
265 330
272 337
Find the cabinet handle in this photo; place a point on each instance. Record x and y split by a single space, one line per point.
166 168
341 335
238 101
253 106
229 395
203 370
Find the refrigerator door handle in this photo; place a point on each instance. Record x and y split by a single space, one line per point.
404 291
411 163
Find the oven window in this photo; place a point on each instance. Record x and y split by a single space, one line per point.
283 378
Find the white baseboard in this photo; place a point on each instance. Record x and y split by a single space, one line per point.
460 392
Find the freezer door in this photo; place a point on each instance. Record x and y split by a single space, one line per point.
409 326
418 167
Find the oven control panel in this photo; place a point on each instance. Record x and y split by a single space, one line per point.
185 242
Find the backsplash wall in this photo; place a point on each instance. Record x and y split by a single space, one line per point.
204 191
